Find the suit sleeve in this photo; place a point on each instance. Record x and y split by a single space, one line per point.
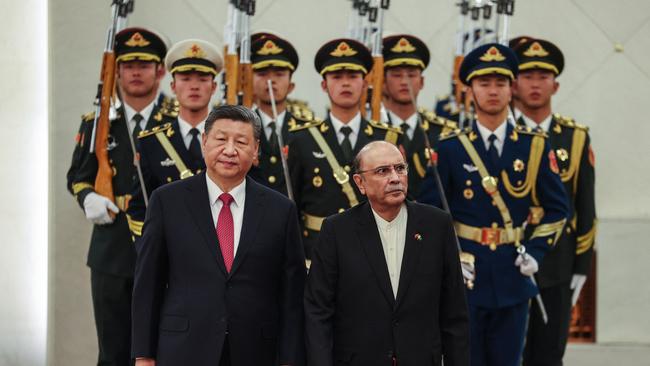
293 285
585 211
83 167
320 299
149 282
454 318
135 213
553 199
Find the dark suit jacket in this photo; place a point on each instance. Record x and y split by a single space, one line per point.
351 315
184 301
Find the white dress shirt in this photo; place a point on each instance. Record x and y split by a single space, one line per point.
412 122
186 127
393 239
545 125
145 113
354 124
266 119
500 133
236 207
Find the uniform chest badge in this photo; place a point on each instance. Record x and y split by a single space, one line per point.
111 143
562 154
468 193
470 168
553 162
318 154
167 162
317 181
518 165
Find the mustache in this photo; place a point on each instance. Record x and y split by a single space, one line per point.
395 187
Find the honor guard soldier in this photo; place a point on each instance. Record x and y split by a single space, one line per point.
564 269
405 58
491 174
111 257
172 151
321 152
273 59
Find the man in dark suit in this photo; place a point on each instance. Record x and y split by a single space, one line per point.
385 285
220 268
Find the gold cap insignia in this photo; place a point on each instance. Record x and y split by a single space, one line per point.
492 54
342 50
137 40
269 48
403 45
195 51
536 49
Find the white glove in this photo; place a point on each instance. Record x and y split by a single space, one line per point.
96 208
577 282
468 271
528 267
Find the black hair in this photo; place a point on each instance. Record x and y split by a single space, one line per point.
236 113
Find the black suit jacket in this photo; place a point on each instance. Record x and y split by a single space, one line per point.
351 315
184 301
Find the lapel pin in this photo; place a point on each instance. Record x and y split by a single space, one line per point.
418 237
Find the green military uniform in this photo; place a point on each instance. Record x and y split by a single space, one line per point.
572 255
321 172
404 50
111 255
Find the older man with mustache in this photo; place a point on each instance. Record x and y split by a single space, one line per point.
385 285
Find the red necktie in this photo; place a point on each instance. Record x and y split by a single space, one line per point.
226 231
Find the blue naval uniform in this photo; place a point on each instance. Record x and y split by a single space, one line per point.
499 300
159 167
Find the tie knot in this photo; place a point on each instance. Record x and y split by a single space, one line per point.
226 198
405 126
138 118
272 125
492 138
194 131
346 130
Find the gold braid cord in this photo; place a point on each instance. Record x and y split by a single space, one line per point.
553 228
586 241
536 151
134 225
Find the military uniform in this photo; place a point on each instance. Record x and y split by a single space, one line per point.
164 157
490 203
572 255
111 255
405 50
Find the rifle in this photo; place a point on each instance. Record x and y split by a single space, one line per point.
505 10
278 133
457 94
105 92
231 59
376 76
245 66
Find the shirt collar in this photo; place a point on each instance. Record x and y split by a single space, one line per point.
354 124
266 119
186 127
545 125
145 112
238 193
412 121
500 132
385 225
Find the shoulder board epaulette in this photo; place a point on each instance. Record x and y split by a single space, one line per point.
88 117
569 122
301 112
154 130
529 131
170 107
303 124
298 102
455 133
431 117
384 126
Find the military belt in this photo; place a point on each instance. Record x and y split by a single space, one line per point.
488 236
312 222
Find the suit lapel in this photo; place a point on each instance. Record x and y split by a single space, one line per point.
198 203
412 248
253 212
371 243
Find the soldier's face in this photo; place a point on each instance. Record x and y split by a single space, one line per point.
396 83
229 148
534 88
193 89
379 181
492 93
280 83
139 79
344 88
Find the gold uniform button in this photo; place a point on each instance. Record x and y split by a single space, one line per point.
305 233
272 179
468 182
169 179
568 230
316 170
468 193
341 210
273 159
550 241
346 168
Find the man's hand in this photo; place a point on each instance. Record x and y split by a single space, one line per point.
96 209
577 282
527 267
145 362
